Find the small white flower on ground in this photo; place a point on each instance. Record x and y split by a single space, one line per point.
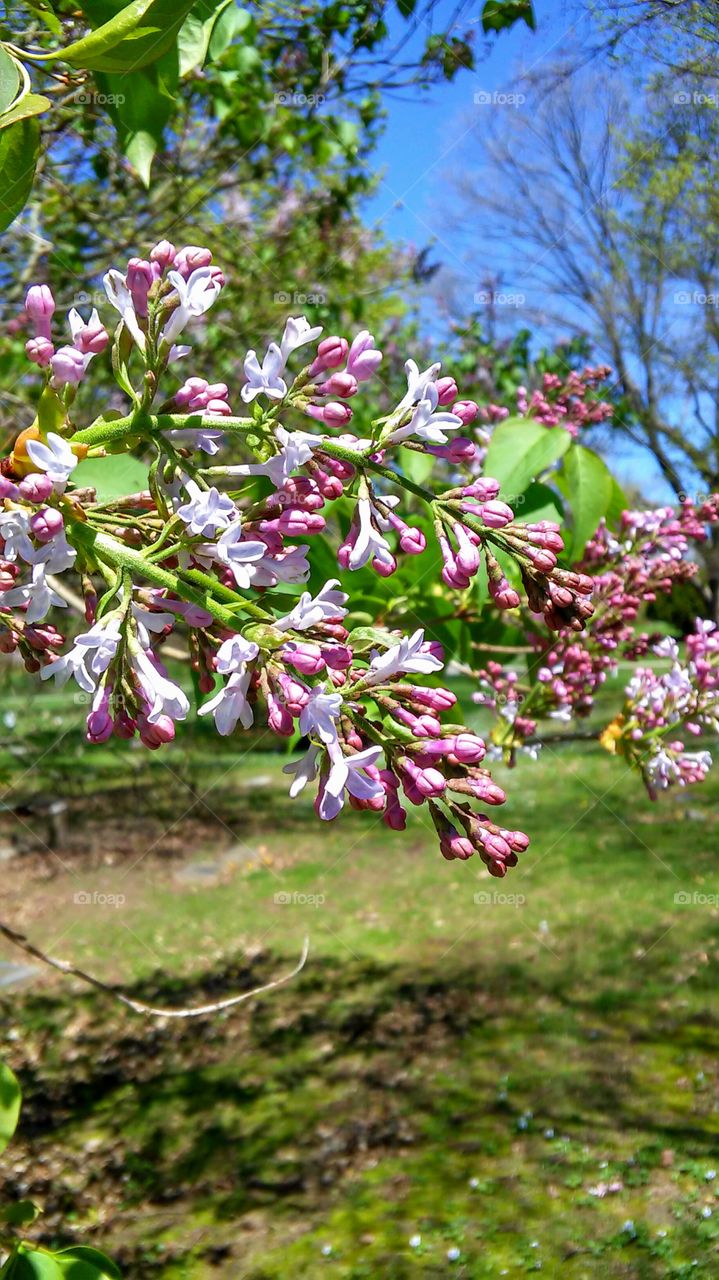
453 1254
415 1242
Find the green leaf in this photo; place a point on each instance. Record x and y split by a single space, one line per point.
9 79
417 466
20 1214
111 477
589 489
617 504
31 1264
193 40
230 23
539 502
31 104
19 146
83 1263
139 107
10 1099
135 37
500 15
520 450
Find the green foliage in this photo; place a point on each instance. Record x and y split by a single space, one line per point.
18 158
588 484
9 1105
520 450
500 15
27 1261
138 34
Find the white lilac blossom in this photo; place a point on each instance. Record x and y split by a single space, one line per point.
90 656
298 332
14 530
265 378
119 297
230 705
410 656
309 611
163 696
319 716
296 448
207 511
36 597
196 295
235 552
369 544
348 773
53 456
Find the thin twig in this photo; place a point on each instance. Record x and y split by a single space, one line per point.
19 940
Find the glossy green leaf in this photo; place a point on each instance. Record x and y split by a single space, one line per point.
139 107
589 489
231 22
10 1099
617 504
111 477
20 1214
417 466
135 37
539 502
9 79
31 104
84 1263
31 1264
18 156
520 450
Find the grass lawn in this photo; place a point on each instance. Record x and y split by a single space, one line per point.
470 1078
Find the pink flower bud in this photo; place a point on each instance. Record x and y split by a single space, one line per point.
46 524
446 391
99 725
189 258
467 410
40 307
305 657
412 541
339 384
496 514
39 350
36 487
68 367
484 489
336 414
467 748
10 490
456 846
459 450
331 353
363 360
91 339
278 717
140 278
163 254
